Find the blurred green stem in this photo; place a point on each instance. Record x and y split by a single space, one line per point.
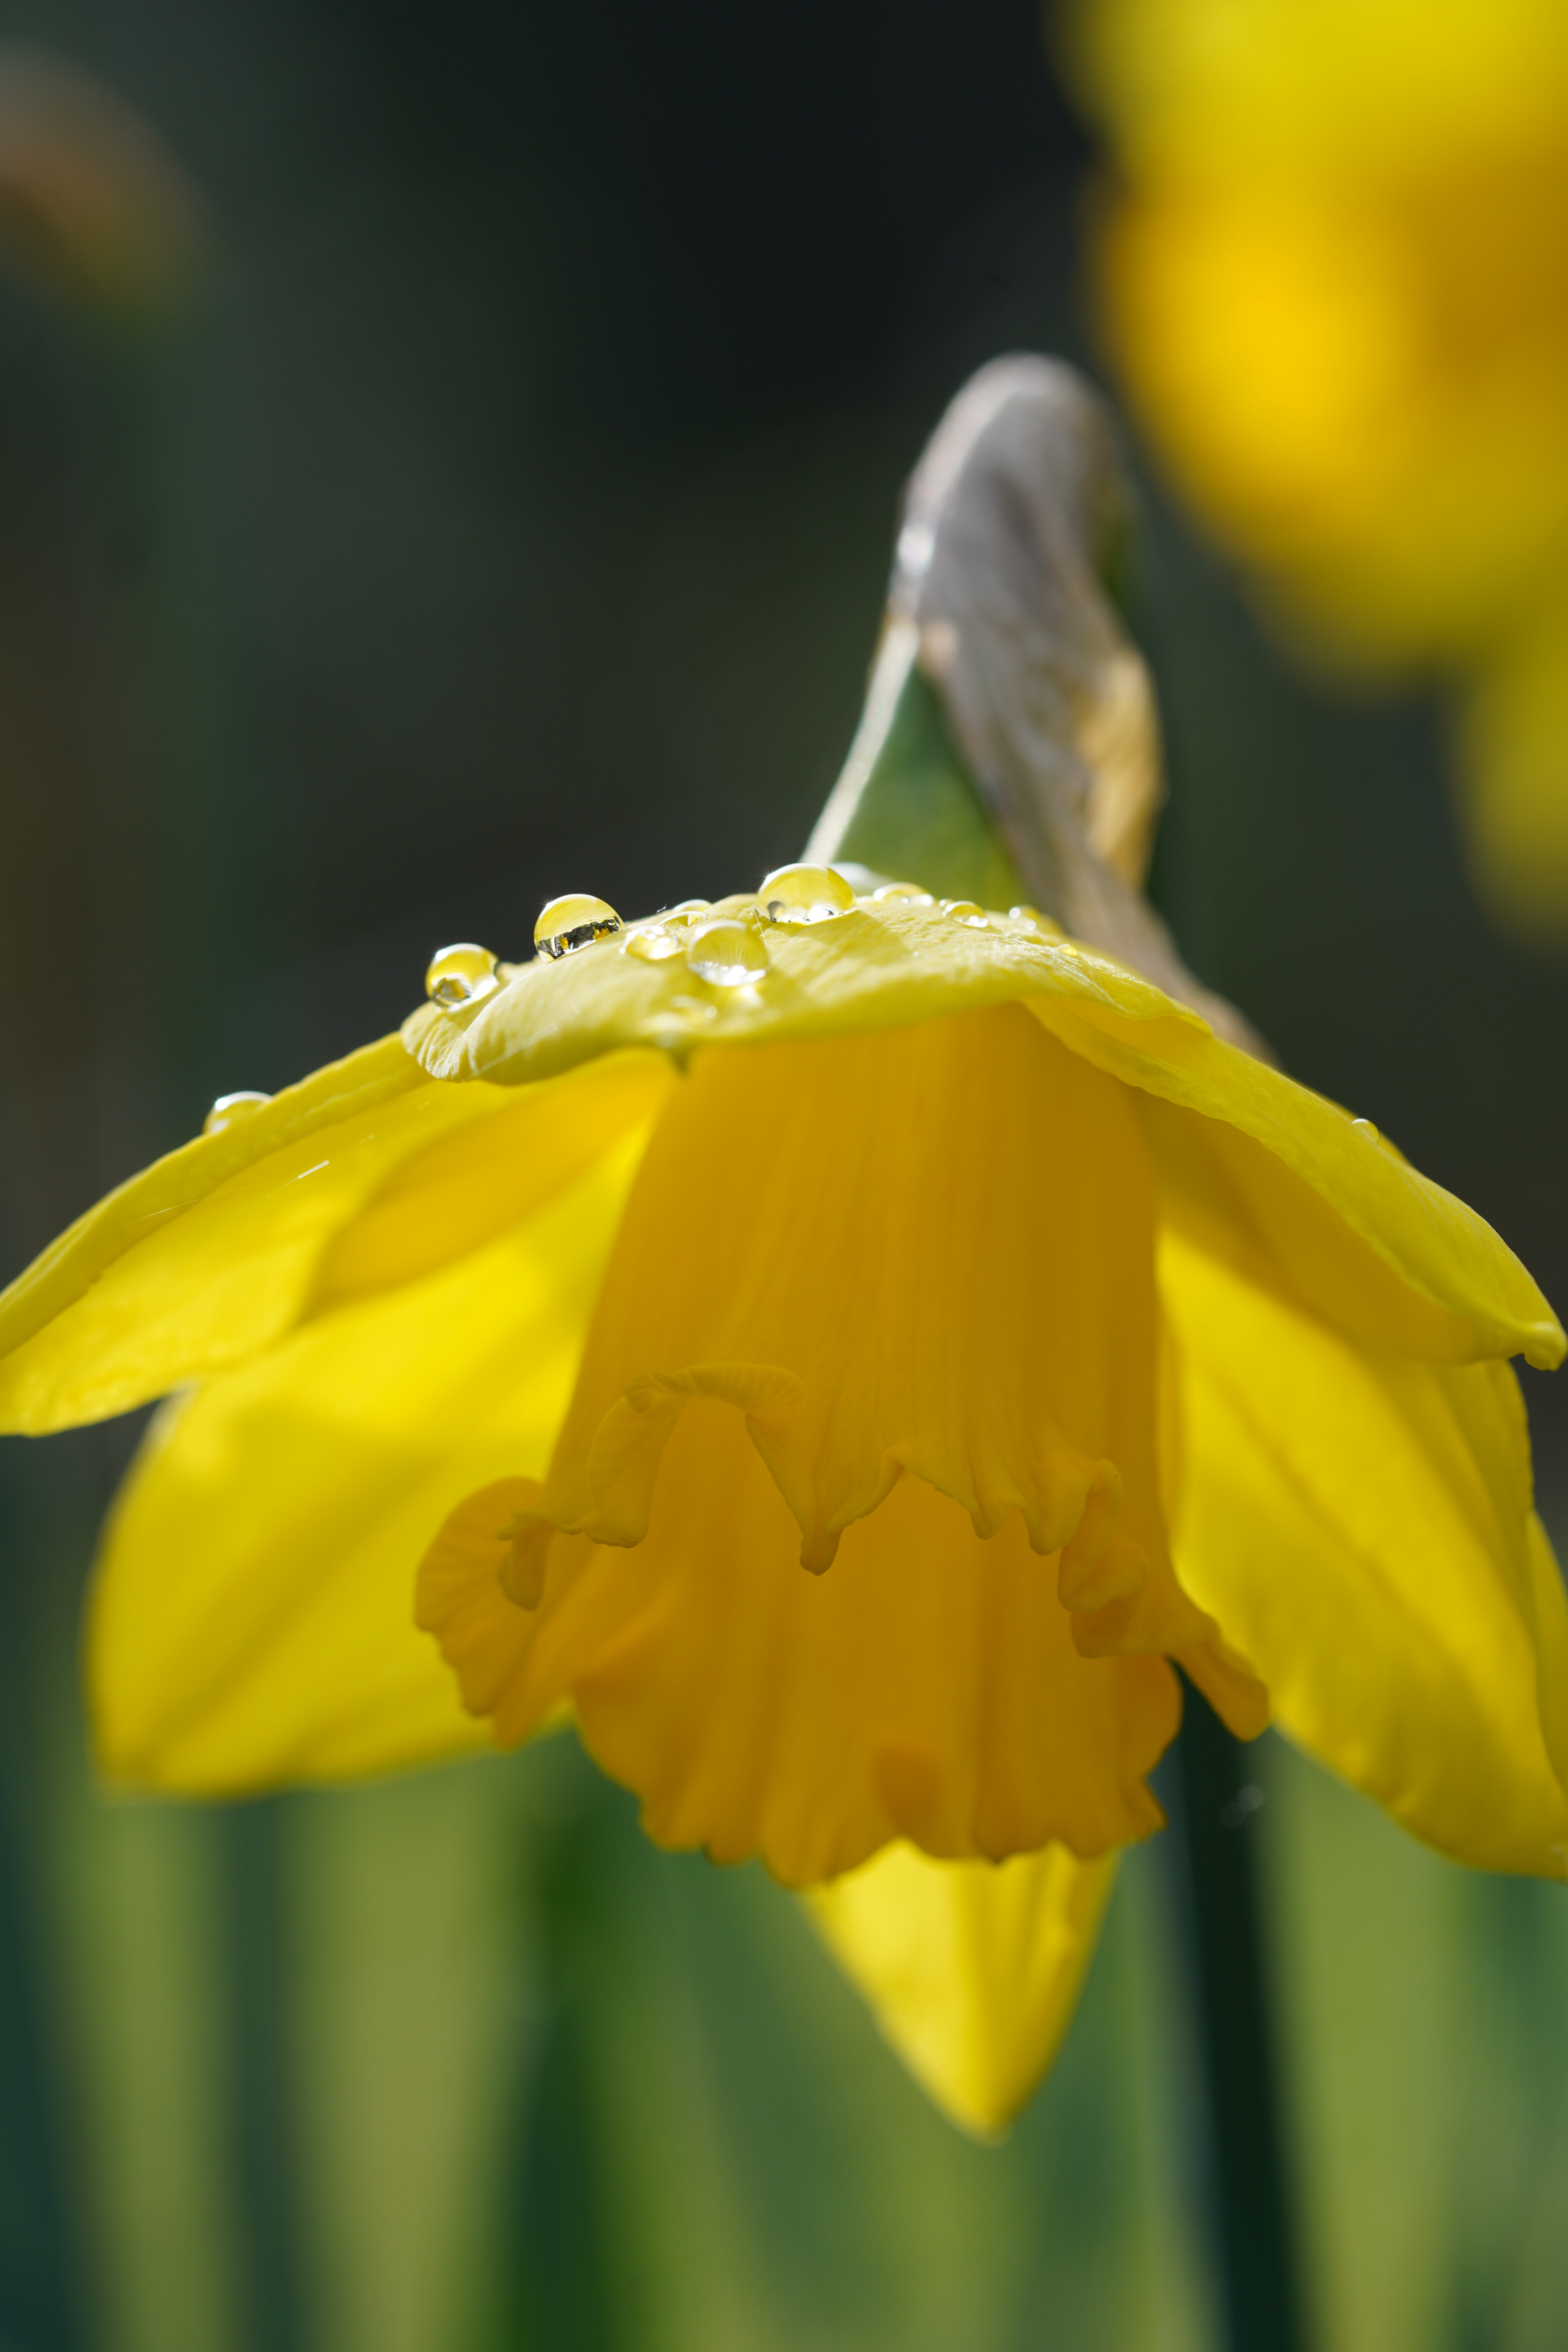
1214 1836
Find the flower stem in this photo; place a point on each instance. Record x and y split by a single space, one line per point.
1214 1820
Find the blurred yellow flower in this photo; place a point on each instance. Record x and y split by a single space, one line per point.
841 1361
1335 272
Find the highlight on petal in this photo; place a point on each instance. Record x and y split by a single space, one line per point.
888 965
363 1177
972 1968
927 1687
1361 1527
252 1617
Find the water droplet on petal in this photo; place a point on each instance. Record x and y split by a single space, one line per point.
572 923
909 894
1364 1127
804 894
652 945
228 1107
461 975
686 910
966 910
727 954
917 545
1029 919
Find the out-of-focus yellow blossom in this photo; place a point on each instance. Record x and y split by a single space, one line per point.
93 207
1334 273
844 1363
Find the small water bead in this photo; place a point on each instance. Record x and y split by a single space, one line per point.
686 910
904 894
727 954
1364 1127
1029 919
461 975
965 910
653 945
804 894
228 1107
573 922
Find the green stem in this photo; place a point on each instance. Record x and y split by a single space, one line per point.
1216 1832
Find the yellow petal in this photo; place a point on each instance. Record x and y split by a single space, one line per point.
252 1618
888 964
972 1969
1483 1301
1361 1527
1243 1204
882 966
928 1686
366 1175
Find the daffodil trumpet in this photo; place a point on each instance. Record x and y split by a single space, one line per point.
845 1348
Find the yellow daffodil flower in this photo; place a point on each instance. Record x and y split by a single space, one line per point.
846 1389
844 1348
1334 273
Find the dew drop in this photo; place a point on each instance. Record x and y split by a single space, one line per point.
652 945
228 1107
905 894
965 910
572 923
461 975
1029 919
1364 1127
727 954
686 910
917 545
804 894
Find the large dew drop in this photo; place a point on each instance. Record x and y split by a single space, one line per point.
572 923
727 954
461 975
804 894
652 944
228 1107
966 910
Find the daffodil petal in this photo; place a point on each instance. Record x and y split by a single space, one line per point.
881 966
1360 1527
972 1968
366 1175
1240 1202
252 1616
887 965
1478 1299
928 1686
